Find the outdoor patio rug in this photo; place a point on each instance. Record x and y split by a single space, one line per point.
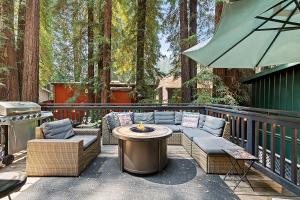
181 179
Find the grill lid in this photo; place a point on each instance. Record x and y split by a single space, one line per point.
18 107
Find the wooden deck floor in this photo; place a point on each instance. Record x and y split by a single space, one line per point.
264 188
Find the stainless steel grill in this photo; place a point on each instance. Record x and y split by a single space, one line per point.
17 108
17 122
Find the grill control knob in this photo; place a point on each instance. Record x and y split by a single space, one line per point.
20 117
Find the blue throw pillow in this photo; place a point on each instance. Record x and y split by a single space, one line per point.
112 121
60 129
201 121
145 117
214 125
178 118
164 117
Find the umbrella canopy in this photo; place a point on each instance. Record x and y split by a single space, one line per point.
253 33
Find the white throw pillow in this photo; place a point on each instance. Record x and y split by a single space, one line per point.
190 120
125 119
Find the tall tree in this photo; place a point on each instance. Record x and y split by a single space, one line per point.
107 17
193 41
140 47
91 50
76 41
100 29
30 89
8 53
186 91
20 40
232 77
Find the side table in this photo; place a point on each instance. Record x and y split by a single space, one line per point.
236 155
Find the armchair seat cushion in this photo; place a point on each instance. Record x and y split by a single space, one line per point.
87 139
196 132
214 145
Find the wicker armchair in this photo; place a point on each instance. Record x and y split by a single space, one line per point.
60 157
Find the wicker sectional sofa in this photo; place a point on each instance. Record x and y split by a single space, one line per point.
205 143
62 157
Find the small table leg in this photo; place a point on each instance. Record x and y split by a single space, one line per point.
244 176
230 170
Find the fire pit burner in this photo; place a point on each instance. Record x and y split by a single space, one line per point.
146 129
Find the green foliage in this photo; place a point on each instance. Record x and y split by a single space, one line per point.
205 28
46 42
124 40
208 81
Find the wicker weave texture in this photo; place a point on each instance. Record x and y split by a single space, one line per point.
186 143
47 157
213 164
175 139
106 134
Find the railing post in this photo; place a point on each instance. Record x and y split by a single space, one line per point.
250 147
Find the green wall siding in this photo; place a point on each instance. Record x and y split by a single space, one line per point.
278 90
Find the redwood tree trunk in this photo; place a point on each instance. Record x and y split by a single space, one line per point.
140 48
186 91
91 95
20 40
76 41
106 51
193 33
100 52
231 77
30 89
8 54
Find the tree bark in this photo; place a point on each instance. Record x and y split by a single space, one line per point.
186 92
20 40
91 96
140 48
106 51
8 54
76 41
231 77
30 89
193 33
100 52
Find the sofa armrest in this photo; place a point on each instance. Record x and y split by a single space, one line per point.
53 157
87 131
226 132
39 133
54 145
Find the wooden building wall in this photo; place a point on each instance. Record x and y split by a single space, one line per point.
278 89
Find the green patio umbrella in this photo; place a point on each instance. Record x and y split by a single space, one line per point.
253 33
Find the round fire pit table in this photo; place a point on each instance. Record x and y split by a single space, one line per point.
142 152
